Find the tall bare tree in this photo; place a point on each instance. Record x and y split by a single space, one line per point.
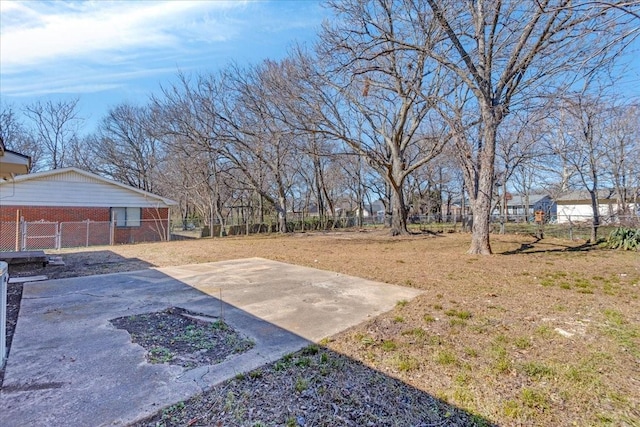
368 91
518 145
55 129
125 147
582 121
257 138
188 119
506 51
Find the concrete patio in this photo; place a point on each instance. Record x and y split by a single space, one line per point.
69 366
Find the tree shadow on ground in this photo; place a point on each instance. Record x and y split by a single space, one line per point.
539 246
314 386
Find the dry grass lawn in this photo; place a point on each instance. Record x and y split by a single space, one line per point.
541 333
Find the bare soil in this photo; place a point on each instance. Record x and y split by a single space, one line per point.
541 333
180 337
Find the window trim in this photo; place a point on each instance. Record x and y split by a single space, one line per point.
130 220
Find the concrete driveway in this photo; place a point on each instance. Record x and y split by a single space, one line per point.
69 366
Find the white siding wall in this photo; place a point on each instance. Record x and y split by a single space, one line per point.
583 212
72 189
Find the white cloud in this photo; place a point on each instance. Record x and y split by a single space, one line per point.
76 47
35 33
46 83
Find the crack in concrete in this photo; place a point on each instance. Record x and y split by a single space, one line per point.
196 375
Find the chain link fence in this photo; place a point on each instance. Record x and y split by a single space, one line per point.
575 227
39 235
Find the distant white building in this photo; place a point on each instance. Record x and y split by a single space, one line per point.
575 206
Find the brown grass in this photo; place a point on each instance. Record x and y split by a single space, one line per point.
541 333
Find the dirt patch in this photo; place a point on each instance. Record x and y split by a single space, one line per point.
180 337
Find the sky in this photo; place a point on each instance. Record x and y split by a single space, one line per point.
109 52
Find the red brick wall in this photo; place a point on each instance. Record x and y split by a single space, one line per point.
54 214
153 226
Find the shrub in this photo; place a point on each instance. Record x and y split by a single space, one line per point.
625 238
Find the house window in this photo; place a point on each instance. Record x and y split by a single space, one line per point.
126 217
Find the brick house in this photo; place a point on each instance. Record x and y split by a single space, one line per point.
78 208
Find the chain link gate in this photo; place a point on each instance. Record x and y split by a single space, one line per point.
40 235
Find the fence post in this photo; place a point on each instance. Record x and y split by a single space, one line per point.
17 230
23 230
4 278
87 241
58 236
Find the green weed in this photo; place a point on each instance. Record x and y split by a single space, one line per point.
537 370
389 345
464 315
622 331
255 374
301 384
457 322
471 352
534 399
522 343
160 355
405 363
545 331
446 357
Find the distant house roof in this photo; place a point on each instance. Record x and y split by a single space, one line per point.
519 200
583 196
76 187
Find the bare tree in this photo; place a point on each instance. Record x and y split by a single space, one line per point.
317 166
187 123
256 136
518 144
507 51
125 147
582 121
55 129
622 151
366 90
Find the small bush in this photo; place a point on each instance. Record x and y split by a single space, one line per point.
624 238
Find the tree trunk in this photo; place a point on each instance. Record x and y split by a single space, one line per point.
398 212
282 213
483 188
398 208
481 209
